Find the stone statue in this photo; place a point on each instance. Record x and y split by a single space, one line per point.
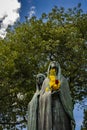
55 103
34 103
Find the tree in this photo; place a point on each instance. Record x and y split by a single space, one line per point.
28 49
84 127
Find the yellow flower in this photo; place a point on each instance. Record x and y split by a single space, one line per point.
55 87
52 72
54 84
52 77
47 89
51 83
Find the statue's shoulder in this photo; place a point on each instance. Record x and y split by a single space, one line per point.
64 83
46 80
63 79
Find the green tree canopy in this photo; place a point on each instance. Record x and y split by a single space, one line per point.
84 127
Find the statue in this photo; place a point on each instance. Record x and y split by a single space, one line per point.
34 103
55 104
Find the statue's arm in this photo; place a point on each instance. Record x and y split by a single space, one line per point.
55 92
44 85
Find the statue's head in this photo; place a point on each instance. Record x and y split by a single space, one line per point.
55 67
39 80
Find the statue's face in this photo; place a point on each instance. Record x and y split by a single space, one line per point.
52 71
54 67
40 79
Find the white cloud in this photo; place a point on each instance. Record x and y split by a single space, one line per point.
9 14
31 12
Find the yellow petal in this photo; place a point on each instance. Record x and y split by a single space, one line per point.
52 78
47 89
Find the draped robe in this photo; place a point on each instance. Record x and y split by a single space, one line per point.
32 113
55 108
34 104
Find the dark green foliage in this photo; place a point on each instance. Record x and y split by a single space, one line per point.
84 127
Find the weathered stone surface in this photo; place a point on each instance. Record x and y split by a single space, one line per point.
51 109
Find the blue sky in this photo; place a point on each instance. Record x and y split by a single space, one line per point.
13 10
18 9
46 6
78 115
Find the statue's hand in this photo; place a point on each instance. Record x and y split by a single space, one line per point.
55 92
54 85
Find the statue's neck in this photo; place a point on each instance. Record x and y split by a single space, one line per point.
38 88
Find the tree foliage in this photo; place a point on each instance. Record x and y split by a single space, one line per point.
27 50
84 127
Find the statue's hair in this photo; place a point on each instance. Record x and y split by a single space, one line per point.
40 74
